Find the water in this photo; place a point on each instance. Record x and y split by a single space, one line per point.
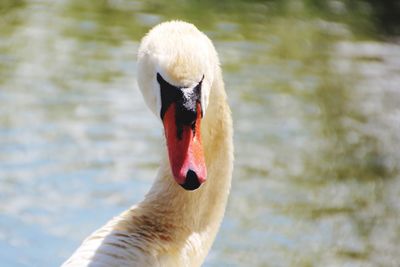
316 106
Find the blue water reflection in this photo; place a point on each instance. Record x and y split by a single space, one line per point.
315 102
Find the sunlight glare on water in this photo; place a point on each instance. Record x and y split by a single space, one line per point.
316 107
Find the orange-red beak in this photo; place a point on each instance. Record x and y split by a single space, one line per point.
185 150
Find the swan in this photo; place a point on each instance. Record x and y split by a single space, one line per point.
176 223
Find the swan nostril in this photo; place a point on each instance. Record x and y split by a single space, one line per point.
192 181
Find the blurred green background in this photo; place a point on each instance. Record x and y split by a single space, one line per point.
315 92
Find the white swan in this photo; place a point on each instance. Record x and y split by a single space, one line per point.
181 81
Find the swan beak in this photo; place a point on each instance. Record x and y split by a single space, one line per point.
185 150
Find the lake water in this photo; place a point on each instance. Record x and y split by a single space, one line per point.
316 107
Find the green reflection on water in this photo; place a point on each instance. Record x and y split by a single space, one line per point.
311 180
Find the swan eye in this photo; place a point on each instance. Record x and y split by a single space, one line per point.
169 94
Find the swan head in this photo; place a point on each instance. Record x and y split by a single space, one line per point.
176 67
